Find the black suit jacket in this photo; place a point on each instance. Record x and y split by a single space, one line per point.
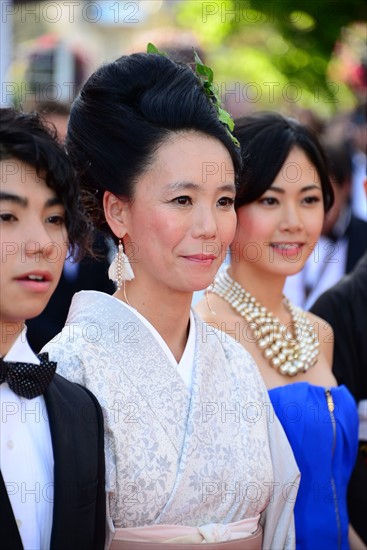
344 307
357 242
79 514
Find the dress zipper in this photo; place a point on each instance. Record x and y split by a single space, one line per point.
331 407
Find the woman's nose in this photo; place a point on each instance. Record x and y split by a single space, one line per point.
291 221
205 224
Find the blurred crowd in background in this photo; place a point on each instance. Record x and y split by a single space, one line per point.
51 51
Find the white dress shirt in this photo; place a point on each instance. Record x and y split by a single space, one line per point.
26 457
359 201
323 269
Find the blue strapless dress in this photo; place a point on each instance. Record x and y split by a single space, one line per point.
325 448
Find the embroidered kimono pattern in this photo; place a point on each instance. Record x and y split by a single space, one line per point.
216 454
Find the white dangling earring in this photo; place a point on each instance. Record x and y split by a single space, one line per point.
120 269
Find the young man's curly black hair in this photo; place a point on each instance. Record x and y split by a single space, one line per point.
25 137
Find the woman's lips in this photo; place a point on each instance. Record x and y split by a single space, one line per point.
201 258
287 249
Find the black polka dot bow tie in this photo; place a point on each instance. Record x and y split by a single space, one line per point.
27 379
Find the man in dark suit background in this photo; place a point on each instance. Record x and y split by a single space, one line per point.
52 474
344 307
340 222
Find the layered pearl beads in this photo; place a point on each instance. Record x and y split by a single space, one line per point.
291 348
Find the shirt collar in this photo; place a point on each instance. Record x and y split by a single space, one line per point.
21 350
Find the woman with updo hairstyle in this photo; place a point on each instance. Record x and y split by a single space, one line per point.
194 452
283 194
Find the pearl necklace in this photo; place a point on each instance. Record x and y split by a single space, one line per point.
288 353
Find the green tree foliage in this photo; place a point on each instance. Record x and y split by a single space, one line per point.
281 47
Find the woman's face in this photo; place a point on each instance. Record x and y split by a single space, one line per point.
182 218
277 232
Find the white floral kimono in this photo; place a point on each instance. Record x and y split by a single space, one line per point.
211 454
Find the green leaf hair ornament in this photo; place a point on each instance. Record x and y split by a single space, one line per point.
153 49
205 74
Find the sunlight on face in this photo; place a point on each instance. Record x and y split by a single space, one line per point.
277 232
182 218
33 241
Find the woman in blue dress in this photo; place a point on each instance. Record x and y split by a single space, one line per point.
283 196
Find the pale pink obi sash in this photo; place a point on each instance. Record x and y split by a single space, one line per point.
242 535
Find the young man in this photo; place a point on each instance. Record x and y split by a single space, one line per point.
52 480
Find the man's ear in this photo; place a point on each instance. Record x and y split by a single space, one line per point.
115 210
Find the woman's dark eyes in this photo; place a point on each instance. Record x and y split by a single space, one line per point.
185 201
226 201
182 201
311 200
269 201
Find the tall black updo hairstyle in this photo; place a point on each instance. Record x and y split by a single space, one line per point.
266 140
125 111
